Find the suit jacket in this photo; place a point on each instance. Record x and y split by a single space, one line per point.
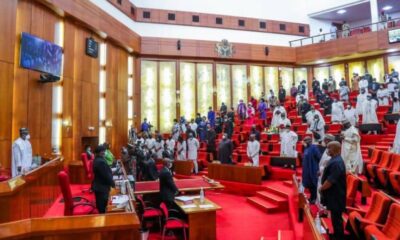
103 179
168 188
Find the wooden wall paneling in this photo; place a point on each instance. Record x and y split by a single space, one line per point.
8 18
137 93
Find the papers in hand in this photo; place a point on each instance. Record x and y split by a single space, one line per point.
186 198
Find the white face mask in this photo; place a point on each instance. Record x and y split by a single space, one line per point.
28 137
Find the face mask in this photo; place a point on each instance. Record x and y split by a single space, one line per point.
223 137
28 137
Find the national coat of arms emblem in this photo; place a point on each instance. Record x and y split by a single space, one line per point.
224 49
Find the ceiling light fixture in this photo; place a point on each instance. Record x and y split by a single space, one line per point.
390 50
386 8
341 11
320 62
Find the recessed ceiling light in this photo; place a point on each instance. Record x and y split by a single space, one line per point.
392 50
320 62
341 11
386 8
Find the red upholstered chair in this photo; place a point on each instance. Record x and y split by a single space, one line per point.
382 173
377 213
4 174
276 150
88 166
82 207
390 230
202 158
334 128
394 180
384 162
352 187
149 212
172 223
375 156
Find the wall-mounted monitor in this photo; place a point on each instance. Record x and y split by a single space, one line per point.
394 36
40 55
92 47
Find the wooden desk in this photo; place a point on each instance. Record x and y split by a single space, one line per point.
183 167
184 185
235 173
202 221
33 192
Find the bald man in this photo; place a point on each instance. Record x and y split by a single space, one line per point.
333 189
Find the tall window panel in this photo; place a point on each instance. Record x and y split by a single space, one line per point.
149 96
321 73
204 88
187 90
393 63
224 85
287 78
167 95
271 77
239 83
376 68
130 91
337 72
57 110
256 81
300 74
102 91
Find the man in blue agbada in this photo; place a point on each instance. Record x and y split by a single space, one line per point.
311 158
211 117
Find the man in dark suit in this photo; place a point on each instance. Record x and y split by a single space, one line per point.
333 188
168 189
103 179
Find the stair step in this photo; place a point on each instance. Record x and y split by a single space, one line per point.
285 235
273 197
277 191
264 205
288 183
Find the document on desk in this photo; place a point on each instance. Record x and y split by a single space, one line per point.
119 199
206 206
189 206
186 198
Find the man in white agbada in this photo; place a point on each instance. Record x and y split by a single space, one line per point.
317 127
288 142
383 95
253 150
363 83
151 144
181 149
344 92
324 161
350 114
369 111
351 150
396 143
21 154
278 110
175 130
171 144
361 98
193 125
337 111
192 147
159 147
396 105
283 120
310 115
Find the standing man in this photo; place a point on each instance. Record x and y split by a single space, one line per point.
317 128
345 29
344 92
168 189
333 31
228 126
253 149
351 150
225 150
361 98
337 111
369 112
108 155
192 147
181 149
262 109
333 189
350 114
241 110
311 158
281 94
323 161
145 127
210 139
211 117
21 153
288 142
103 179
223 110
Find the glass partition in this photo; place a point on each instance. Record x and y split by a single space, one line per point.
376 68
167 95
393 63
239 83
287 78
204 88
271 79
149 99
256 81
356 67
224 85
321 73
300 74
187 90
337 72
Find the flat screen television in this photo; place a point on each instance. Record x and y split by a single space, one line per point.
40 55
394 36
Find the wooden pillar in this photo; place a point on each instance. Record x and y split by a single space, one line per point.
178 89
137 94
214 84
248 83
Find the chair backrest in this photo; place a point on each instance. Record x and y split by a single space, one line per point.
392 226
63 180
375 155
352 187
385 159
395 164
164 210
86 165
379 208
